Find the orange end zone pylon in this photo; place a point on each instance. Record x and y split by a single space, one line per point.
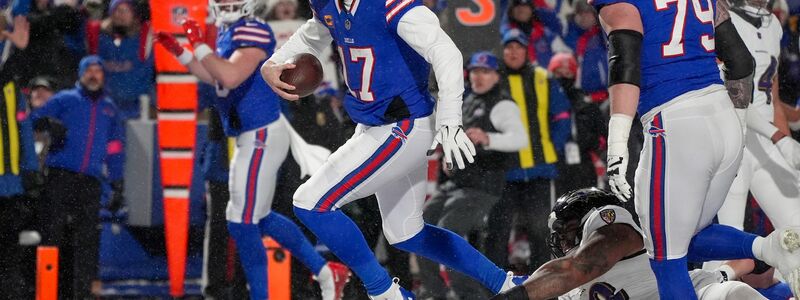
46 273
279 270
177 120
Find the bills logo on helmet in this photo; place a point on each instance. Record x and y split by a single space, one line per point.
608 216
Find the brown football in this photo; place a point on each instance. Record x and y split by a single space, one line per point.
306 75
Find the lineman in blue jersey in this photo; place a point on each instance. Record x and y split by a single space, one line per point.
250 112
385 48
662 64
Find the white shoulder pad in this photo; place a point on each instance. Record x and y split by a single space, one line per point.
607 215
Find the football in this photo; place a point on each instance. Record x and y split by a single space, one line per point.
306 75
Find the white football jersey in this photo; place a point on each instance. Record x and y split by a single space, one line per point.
764 45
630 278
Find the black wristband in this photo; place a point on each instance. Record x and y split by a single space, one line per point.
760 267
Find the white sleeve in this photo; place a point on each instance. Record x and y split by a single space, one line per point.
607 215
574 294
759 124
313 37
511 136
419 28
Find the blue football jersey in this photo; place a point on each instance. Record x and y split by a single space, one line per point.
252 104
381 70
677 49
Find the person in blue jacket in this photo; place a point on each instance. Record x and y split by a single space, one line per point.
86 147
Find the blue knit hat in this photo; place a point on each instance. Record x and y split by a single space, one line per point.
87 61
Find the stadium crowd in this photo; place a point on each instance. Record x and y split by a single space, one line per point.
74 73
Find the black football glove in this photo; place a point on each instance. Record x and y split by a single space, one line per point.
56 130
117 200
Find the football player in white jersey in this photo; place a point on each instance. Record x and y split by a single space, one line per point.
601 256
767 168
764 170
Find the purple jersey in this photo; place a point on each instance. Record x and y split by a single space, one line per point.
677 49
387 79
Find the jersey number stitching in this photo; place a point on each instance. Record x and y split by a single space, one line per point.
675 45
358 54
765 82
604 291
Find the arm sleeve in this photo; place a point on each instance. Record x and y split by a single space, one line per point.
560 121
115 159
53 108
549 17
607 215
419 28
253 34
505 118
313 37
30 162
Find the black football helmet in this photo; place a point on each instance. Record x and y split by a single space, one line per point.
569 214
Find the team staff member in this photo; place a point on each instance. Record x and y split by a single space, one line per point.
544 110
93 140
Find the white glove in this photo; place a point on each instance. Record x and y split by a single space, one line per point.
451 135
790 150
619 128
454 144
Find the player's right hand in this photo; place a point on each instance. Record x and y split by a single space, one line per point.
617 170
271 72
170 43
619 128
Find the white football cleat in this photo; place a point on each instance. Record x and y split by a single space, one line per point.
781 250
395 292
332 280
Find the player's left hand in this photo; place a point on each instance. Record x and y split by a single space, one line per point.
455 143
790 150
193 32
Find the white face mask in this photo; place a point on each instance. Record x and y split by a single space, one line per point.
230 12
